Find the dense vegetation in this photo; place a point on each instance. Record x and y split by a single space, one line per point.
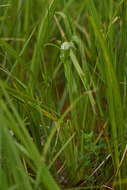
63 94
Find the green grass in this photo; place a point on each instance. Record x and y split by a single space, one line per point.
63 94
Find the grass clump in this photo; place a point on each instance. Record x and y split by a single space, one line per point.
63 94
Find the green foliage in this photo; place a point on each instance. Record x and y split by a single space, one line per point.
63 94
